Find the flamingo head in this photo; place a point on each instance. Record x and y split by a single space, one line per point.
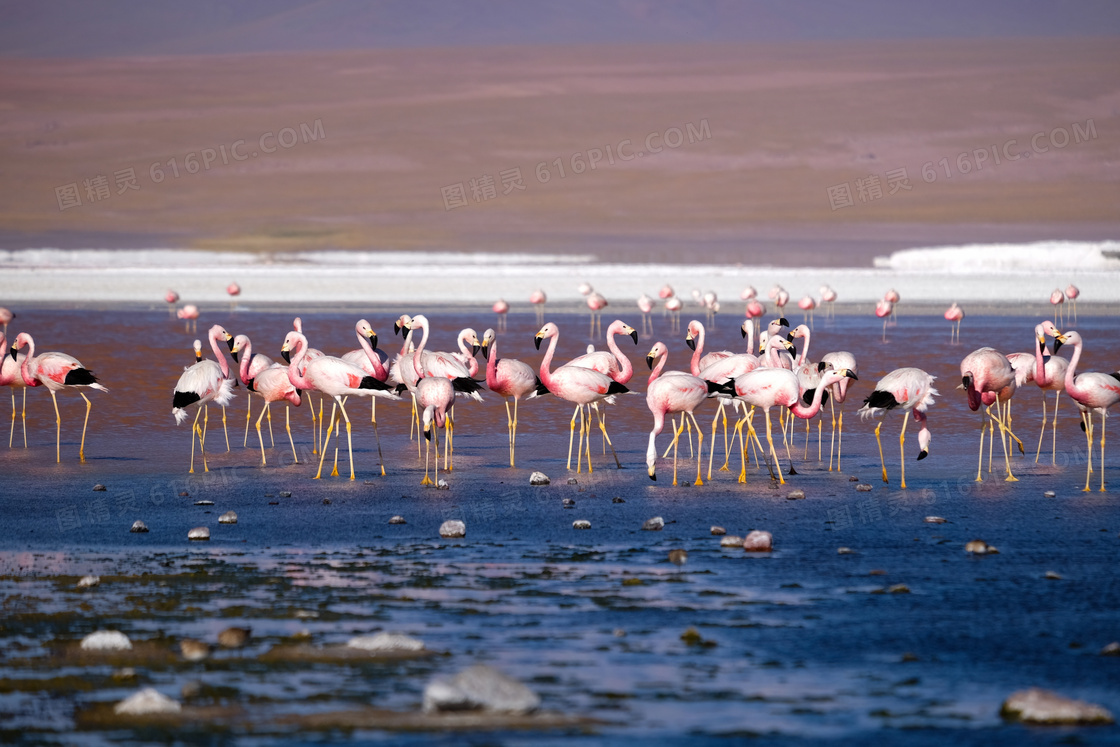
365 329
799 331
22 339
695 329
239 343
218 332
487 341
659 350
404 321
547 331
469 336
743 327
626 329
1068 338
292 342
833 376
198 351
924 438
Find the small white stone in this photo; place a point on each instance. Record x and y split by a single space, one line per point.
863 487
1049 494
204 503
980 547
480 688
1112 649
934 520
88 581
442 484
106 640
843 551
758 541
199 533
452 529
397 520
147 701
229 517
656 524
306 614
718 531
730 540
581 524
138 527
539 478
386 642
1038 706
795 495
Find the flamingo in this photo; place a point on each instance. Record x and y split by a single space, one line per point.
333 377
435 395
6 316
755 309
839 391
1057 298
371 360
56 371
828 296
312 354
508 378
1072 292
614 364
807 304
10 376
252 365
894 298
1050 376
538 299
808 378
584 289
912 390
172 298
694 338
190 313
673 305
581 386
234 290
468 349
748 293
645 305
666 292
1093 392
883 310
781 300
596 303
674 393
501 308
202 383
710 302
954 314
989 379
273 385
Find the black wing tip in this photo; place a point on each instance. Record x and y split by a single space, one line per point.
726 387
807 397
881 400
466 384
616 388
184 399
370 382
80 377
541 388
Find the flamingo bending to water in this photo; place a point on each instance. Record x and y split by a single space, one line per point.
989 379
252 365
202 383
671 393
839 391
883 310
912 390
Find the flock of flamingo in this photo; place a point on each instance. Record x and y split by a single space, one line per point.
777 375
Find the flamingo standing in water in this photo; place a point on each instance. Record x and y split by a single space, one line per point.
1093 392
807 304
954 314
10 376
190 314
1072 292
828 296
839 391
596 302
673 305
252 365
614 364
645 305
666 292
202 383
312 354
581 386
1057 298
671 393
56 371
435 395
234 290
538 299
989 379
501 308
755 310
172 298
894 298
883 310
508 378
333 377
1050 376
912 390
6 316
273 385
371 360
781 300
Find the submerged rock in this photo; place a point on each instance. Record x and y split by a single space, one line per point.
843 551
397 520
234 637
285 494
731 540
539 478
147 701
442 484
898 589
934 520
616 499
656 524
199 534
193 650
106 640
863 487
138 527
1112 649
980 547
1037 706
1049 494
453 529
568 503
718 531
678 557
386 642
204 503
1053 575
795 495
87 581
581 524
229 517
480 688
758 541
99 488
573 481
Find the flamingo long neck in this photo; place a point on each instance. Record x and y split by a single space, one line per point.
546 362
1071 371
698 353
804 351
243 370
29 378
219 355
750 338
417 365
805 412
1040 376
772 358
299 380
656 372
625 367
492 365
374 359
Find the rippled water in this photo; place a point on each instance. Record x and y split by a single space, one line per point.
802 645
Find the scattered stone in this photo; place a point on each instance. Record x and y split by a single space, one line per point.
843 551
616 499
863 487
568 503
1053 575
898 589
718 531
397 520
876 572
204 503
146 702
184 494
619 633
191 689
326 502
1037 706
480 688
678 557
452 529
442 484
573 481
1049 494
277 503
285 494
306 614
199 533
795 495
99 488
234 637
731 540
539 478
386 642
758 541
229 517
86 582
980 547
581 524
106 640
193 650
138 527
853 478
125 676
934 520
1112 649
656 524
691 636
773 485
908 656
631 582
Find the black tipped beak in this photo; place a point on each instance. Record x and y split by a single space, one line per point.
373 340
783 322
475 349
742 331
966 380
851 375
537 342
428 433
13 351
396 328
789 336
233 354
690 342
922 454
634 335
653 477
229 342
286 356
485 348
649 361
821 367
1057 344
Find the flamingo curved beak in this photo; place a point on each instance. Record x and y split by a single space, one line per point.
690 342
286 354
537 341
782 321
396 328
850 374
229 341
923 454
787 344
1059 339
485 348
234 353
475 348
372 339
13 352
634 335
743 330
649 360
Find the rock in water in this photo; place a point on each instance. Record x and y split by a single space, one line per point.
758 541
234 637
795 495
147 701
718 531
843 551
539 478
99 488
573 481
581 524
106 640
193 650
480 688
229 517
980 547
1112 649
452 529
87 581
1036 706
1049 494
731 540
386 642
934 520
199 534
678 557
568 503
656 524
863 487
138 527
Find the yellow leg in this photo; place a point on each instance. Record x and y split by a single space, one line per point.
12 432
712 447
202 441
288 427
248 417
992 440
89 406
376 437
882 462
700 450
513 448
1041 433
448 428
349 439
334 432
268 412
673 425
1103 424
840 439
224 428
676 440
323 452
427 453
1088 418
1054 431
901 450
603 428
195 432
314 433
260 438
1003 442
738 433
773 453
980 460
57 430
726 444
509 428
571 436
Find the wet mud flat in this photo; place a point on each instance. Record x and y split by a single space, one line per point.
904 639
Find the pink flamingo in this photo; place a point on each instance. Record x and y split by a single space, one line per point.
508 378
6 316
883 310
234 290
773 293
435 395
675 393
673 305
748 293
694 338
252 365
1072 292
912 390
202 383
1093 392
666 292
781 300
954 314
333 377
894 298
775 356
1050 376
755 310
575 384
614 364
56 371
10 376
584 289
807 304
596 303
989 379
1057 298
808 378
468 349
645 305
190 313
312 354
538 299
273 385
828 296
501 308
837 360
172 298
371 360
